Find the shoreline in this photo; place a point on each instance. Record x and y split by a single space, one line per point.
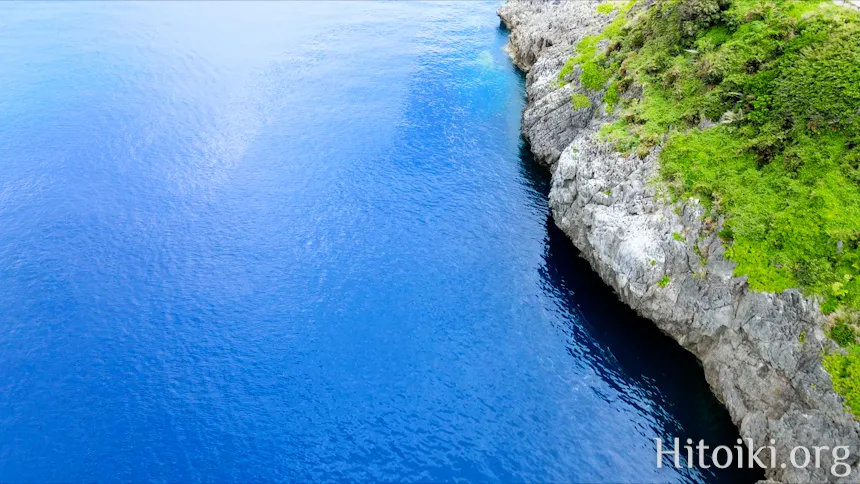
761 352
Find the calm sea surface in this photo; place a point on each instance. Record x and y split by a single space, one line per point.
285 241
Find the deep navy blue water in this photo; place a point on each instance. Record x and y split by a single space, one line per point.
302 241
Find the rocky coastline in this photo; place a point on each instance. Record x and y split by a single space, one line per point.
761 352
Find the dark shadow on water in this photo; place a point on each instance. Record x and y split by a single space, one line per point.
624 347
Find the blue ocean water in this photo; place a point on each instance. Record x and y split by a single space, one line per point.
286 241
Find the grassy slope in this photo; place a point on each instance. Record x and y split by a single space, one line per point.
781 78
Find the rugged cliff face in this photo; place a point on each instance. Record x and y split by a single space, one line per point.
761 352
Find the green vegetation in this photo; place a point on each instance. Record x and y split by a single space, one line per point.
612 96
593 76
677 236
580 101
756 104
845 372
844 366
702 259
843 334
664 281
607 8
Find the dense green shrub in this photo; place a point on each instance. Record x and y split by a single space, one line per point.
612 96
843 334
607 8
580 101
844 369
696 15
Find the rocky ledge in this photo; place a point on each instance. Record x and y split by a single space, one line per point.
761 352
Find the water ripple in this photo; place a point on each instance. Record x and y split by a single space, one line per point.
272 241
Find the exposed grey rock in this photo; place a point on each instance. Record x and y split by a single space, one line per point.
761 352
550 29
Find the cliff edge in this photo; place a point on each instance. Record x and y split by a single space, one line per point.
761 352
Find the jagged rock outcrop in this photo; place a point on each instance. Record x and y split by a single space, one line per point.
761 352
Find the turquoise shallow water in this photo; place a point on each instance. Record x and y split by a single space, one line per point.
248 242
